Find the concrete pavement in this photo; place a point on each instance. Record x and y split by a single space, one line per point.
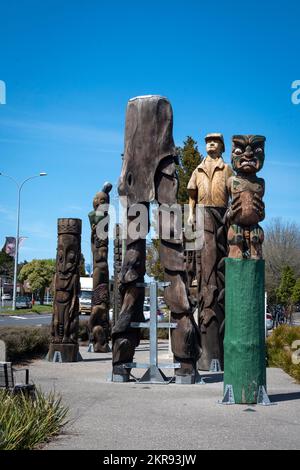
110 416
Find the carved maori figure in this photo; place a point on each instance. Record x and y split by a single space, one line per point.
65 320
247 208
208 188
148 174
99 319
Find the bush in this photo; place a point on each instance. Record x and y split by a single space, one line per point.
29 342
162 333
279 351
83 334
27 422
25 342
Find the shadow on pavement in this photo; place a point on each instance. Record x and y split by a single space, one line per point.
212 378
285 397
97 359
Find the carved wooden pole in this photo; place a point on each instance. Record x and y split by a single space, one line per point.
208 188
99 319
244 345
148 174
65 320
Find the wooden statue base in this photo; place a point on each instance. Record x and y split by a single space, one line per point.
65 352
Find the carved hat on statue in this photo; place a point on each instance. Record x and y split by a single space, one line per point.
148 140
69 226
215 136
248 153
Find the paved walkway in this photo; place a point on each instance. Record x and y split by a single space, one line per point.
109 416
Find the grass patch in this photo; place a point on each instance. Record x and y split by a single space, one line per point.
21 311
279 349
25 423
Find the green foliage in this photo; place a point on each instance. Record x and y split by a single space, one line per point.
6 265
285 289
296 292
83 333
39 273
34 309
153 264
279 351
25 342
27 422
189 159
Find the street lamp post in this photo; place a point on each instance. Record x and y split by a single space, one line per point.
19 186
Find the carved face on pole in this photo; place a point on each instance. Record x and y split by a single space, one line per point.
68 248
214 145
248 153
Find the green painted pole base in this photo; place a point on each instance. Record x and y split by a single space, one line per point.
244 343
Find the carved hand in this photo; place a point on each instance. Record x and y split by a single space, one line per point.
259 206
235 207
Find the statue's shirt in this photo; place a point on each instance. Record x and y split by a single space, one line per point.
209 179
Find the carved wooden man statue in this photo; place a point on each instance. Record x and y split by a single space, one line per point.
208 187
65 320
245 236
99 319
148 174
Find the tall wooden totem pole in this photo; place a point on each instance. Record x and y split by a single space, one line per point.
208 188
99 319
65 320
244 345
148 174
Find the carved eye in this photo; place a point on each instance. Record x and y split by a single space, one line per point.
258 150
129 179
238 151
71 256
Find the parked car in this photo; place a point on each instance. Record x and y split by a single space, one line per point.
23 302
269 321
160 314
146 312
6 297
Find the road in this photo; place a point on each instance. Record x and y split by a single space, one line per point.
45 319
29 319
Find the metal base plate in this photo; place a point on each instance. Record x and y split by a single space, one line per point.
228 396
154 375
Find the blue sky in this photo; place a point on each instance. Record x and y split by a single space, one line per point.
70 68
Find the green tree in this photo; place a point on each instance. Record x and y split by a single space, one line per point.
153 264
285 289
82 267
39 273
296 293
6 265
189 159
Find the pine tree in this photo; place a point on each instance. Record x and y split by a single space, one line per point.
296 293
189 159
285 289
